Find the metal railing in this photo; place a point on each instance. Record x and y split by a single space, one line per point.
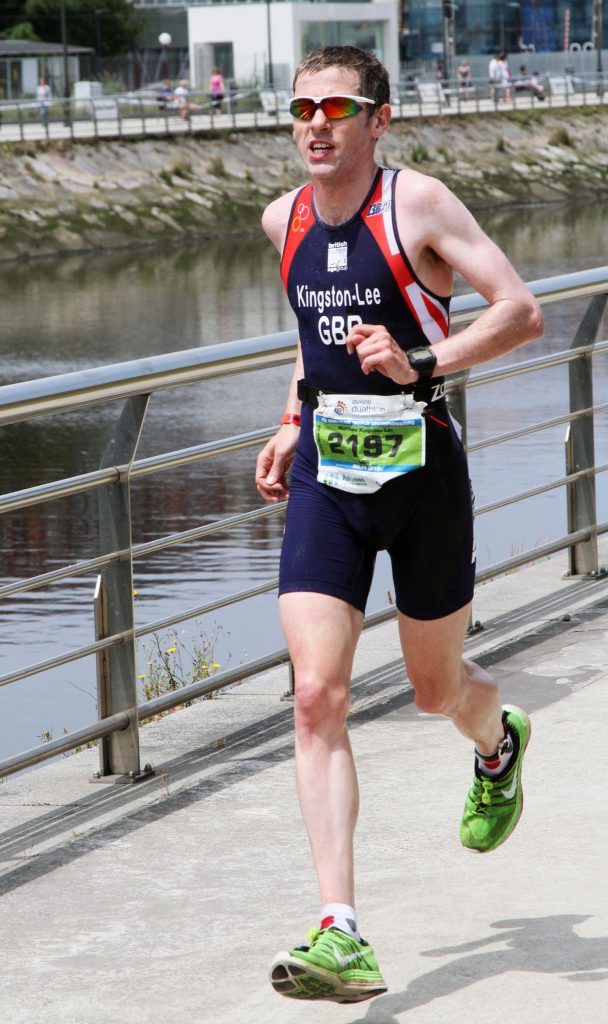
141 114
115 631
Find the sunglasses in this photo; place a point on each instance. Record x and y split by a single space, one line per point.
304 108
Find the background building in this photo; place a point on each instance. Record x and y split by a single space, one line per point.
490 26
262 42
22 63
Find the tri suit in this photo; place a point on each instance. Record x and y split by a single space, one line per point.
335 277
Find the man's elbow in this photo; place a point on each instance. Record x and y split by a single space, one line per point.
534 319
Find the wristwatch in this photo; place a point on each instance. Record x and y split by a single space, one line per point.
423 360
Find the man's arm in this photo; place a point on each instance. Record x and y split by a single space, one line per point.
513 316
276 457
448 238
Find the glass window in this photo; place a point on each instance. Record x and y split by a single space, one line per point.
365 34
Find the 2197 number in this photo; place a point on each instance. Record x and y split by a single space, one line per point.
368 446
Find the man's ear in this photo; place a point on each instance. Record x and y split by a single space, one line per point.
382 119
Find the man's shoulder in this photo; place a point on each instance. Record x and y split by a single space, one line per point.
415 188
283 203
276 216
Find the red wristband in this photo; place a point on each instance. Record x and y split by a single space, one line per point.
291 417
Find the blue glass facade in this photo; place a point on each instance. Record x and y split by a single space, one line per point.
490 26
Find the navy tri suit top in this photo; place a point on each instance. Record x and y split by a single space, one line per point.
357 272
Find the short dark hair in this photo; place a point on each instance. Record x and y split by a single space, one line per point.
373 76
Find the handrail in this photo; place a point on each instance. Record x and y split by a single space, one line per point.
146 113
136 380
30 399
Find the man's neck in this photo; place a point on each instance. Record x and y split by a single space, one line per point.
337 202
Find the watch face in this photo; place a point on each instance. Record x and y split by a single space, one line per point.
422 359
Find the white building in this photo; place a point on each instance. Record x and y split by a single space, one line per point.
237 37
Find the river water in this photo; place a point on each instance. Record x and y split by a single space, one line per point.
85 311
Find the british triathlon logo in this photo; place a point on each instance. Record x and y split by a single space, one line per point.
337 256
302 214
340 408
375 208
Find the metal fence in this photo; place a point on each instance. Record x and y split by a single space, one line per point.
115 631
147 113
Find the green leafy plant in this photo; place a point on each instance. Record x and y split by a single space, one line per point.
419 153
217 168
173 663
560 137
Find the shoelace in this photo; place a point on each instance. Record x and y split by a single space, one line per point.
484 792
313 936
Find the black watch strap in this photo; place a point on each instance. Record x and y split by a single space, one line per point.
423 360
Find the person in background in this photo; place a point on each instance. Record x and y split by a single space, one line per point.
494 77
217 89
43 99
504 78
529 83
165 95
464 76
184 107
537 89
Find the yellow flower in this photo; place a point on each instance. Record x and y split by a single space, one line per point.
135 593
205 666
216 664
171 650
142 675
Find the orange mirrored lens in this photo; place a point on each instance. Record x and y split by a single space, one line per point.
334 107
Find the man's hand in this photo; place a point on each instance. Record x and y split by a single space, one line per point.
273 462
378 350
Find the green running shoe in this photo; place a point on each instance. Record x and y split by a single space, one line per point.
333 966
493 806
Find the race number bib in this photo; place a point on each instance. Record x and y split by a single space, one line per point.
364 441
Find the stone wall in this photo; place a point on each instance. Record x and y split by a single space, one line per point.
67 197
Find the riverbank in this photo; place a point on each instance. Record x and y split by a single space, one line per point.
75 197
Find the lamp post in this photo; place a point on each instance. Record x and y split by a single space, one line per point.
164 40
520 28
269 37
99 11
67 113
447 24
598 42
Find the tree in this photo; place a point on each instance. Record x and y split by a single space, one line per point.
23 30
120 23
11 16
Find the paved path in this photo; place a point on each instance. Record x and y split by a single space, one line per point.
164 903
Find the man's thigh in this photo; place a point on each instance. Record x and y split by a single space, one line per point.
322 553
432 648
321 633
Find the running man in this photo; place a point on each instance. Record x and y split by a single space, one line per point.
368 256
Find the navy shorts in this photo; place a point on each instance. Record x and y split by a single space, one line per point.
423 519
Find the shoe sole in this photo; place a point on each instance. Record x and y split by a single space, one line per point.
297 979
508 708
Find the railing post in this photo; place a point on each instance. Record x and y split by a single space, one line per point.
291 692
119 755
580 445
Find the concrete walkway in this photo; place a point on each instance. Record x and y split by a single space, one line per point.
165 902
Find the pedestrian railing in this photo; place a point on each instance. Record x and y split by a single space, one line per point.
114 632
146 113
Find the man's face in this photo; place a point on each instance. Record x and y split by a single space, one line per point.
332 148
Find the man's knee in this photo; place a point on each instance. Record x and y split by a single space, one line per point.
435 694
319 701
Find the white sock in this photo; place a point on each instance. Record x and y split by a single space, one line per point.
340 915
495 764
